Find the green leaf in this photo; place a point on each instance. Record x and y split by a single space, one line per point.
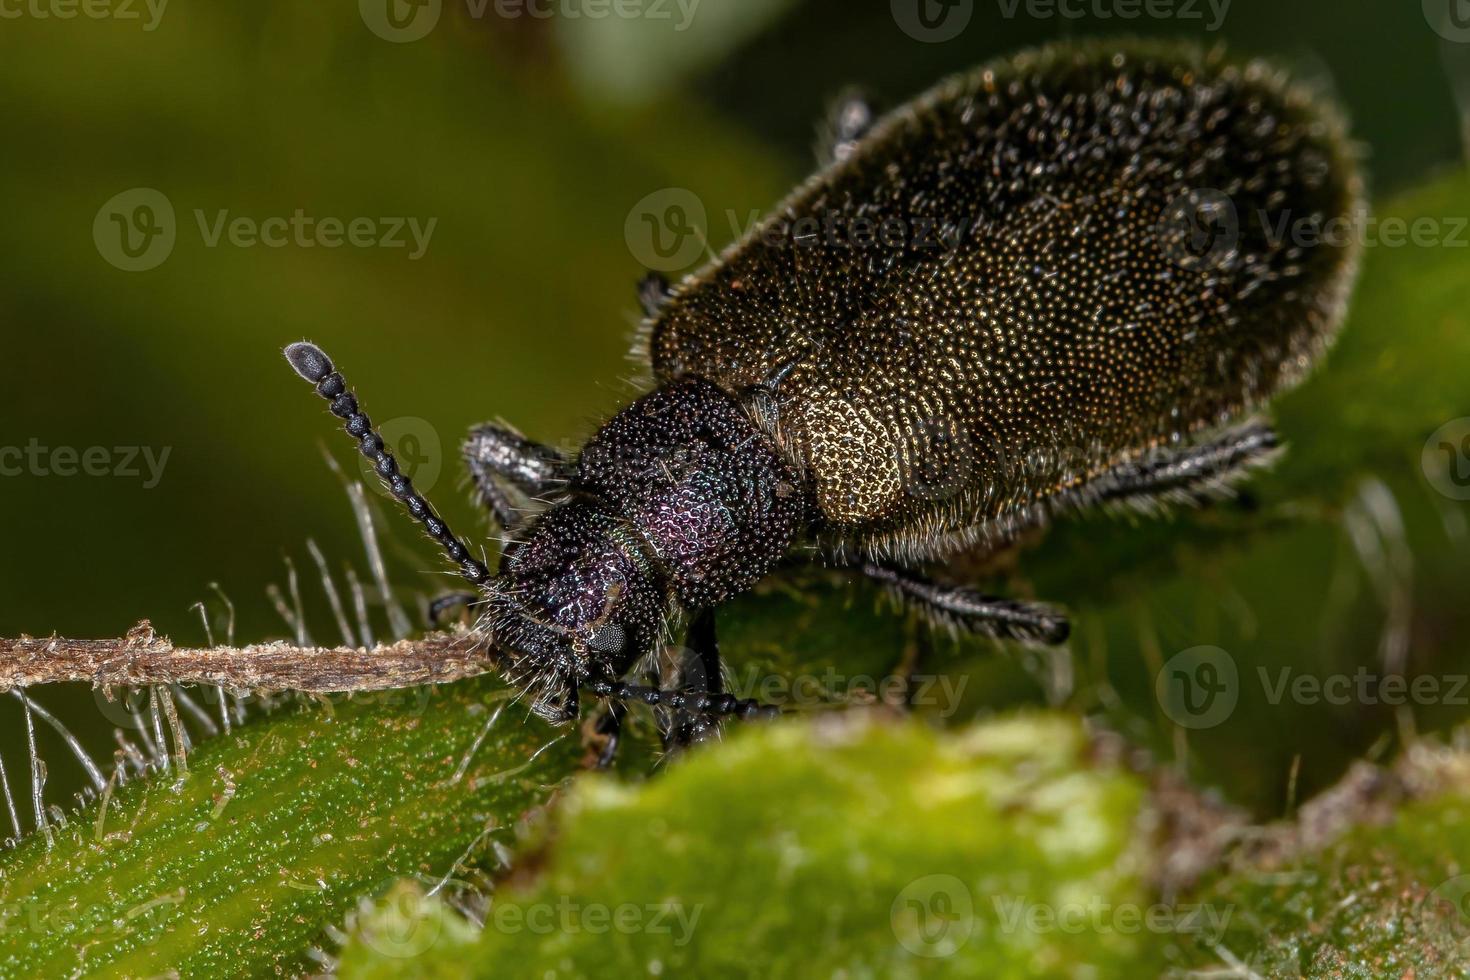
1382 901
275 832
842 847
1001 850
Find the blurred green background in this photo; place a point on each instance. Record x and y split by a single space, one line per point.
528 141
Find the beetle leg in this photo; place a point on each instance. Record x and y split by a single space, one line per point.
847 122
707 677
653 291
439 606
499 458
703 640
609 727
1189 474
968 610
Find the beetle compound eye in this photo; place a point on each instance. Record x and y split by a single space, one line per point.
608 638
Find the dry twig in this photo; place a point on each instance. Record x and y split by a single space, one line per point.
143 658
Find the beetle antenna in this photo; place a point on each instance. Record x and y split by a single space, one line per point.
309 361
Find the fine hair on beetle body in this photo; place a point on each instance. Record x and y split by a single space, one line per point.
1102 328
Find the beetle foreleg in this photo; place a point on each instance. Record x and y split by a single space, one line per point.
609 727
499 457
968 610
439 606
707 677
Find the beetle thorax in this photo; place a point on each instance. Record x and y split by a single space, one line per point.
708 491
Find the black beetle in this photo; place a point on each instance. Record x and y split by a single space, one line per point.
1048 283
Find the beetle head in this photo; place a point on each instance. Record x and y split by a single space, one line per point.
576 598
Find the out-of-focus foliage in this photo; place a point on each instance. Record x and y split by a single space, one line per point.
1002 850
942 848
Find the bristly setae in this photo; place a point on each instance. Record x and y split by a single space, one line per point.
1048 283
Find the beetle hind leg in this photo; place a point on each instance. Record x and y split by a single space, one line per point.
1193 474
846 123
968 610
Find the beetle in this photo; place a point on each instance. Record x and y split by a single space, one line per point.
1046 284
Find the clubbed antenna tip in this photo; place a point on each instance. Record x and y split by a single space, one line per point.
312 363
309 361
